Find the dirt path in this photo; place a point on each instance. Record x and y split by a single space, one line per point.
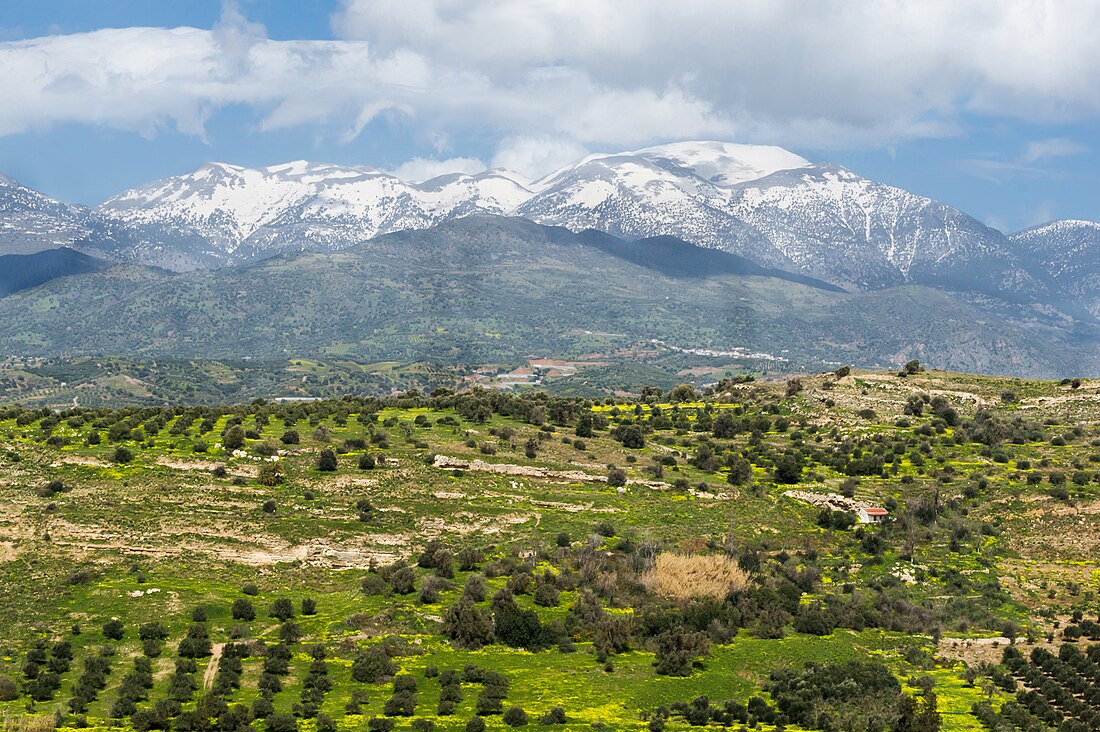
212 667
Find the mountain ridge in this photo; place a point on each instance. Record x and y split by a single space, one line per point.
762 202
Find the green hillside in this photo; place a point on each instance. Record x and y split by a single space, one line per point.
487 290
413 563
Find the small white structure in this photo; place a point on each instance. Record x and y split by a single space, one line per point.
872 514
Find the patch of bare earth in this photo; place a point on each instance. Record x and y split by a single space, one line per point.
530 471
979 650
179 464
468 523
251 549
79 460
212 666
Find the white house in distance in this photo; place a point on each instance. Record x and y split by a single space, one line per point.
872 514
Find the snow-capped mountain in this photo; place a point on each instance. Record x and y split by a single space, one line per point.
782 211
222 214
31 222
634 197
866 235
1069 253
761 202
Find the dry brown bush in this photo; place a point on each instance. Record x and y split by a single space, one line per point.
682 577
28 723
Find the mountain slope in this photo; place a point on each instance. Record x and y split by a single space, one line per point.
635 197
224 214
1069 253
853 231
31 222
24 271
763 203
486 289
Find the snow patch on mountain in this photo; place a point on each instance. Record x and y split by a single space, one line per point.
726 163
1069 253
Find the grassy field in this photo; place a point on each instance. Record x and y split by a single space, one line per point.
559 507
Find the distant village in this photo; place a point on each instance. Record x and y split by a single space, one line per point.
537 372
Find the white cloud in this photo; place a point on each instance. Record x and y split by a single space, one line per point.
418 170
837 72
550 76
535 156
1057 147
1034 161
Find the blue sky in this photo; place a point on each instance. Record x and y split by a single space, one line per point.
991 107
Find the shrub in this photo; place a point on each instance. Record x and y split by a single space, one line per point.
404 581
367 461
326 461
233 439
113 629
740 471
152 631
630 435
678 649
469 558
325 723
309 606
270 474
372 665
373 585
262 708
488 704
515 717
519 627
282 609
8 689
122 454
546 594
475 588
280 723
243 610
605 529
475 724
250 588
467 625
556 715
267 448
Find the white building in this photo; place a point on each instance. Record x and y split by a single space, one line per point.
872 514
